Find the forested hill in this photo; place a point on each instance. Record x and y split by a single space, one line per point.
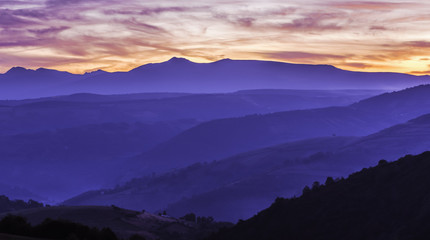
389 201
8 205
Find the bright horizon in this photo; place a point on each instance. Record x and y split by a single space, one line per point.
126 70
83 36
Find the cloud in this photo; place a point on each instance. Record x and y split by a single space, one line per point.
245 22
377 28
158 10
357 65
8 20
418 44
302 56
420 72
30 13
49 30
314 22
137 25
369 5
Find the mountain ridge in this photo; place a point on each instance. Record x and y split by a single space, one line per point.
182 75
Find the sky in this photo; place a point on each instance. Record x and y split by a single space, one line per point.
118 35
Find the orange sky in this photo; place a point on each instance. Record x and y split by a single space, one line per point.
79 36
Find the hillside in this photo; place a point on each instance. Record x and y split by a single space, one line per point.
52 140
388 201
181 75
124 223
238 186
221 138
156 192
51 160
284 179
8 205
33 115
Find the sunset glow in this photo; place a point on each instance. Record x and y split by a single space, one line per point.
81 36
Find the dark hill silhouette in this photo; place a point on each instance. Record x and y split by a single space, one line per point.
238 186
8 205
225 137
184 76
388 201
124 223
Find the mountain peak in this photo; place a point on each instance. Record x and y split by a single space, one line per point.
96 72
16 70
178 60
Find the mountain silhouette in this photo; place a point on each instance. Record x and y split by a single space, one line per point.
181 75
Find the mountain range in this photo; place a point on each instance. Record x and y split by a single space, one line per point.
59 143
182 75
220 138
239 185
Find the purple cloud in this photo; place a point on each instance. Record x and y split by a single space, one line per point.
8 19
49 30
303 56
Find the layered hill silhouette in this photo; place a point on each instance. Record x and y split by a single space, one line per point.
181 75
238 186
59 143
388 201
221 138
34 115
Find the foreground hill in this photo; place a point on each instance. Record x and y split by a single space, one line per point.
221 138
182 75
238 186
125 223
389 201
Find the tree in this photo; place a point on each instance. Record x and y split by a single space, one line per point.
306 190
329 181
190 217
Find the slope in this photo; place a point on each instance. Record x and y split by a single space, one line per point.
238 186
221 138
388 201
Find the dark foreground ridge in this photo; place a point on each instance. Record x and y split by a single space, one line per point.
103 222
389 201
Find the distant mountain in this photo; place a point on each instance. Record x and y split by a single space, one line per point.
35 115
238 186
221 138
389 201
91 97
181 75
